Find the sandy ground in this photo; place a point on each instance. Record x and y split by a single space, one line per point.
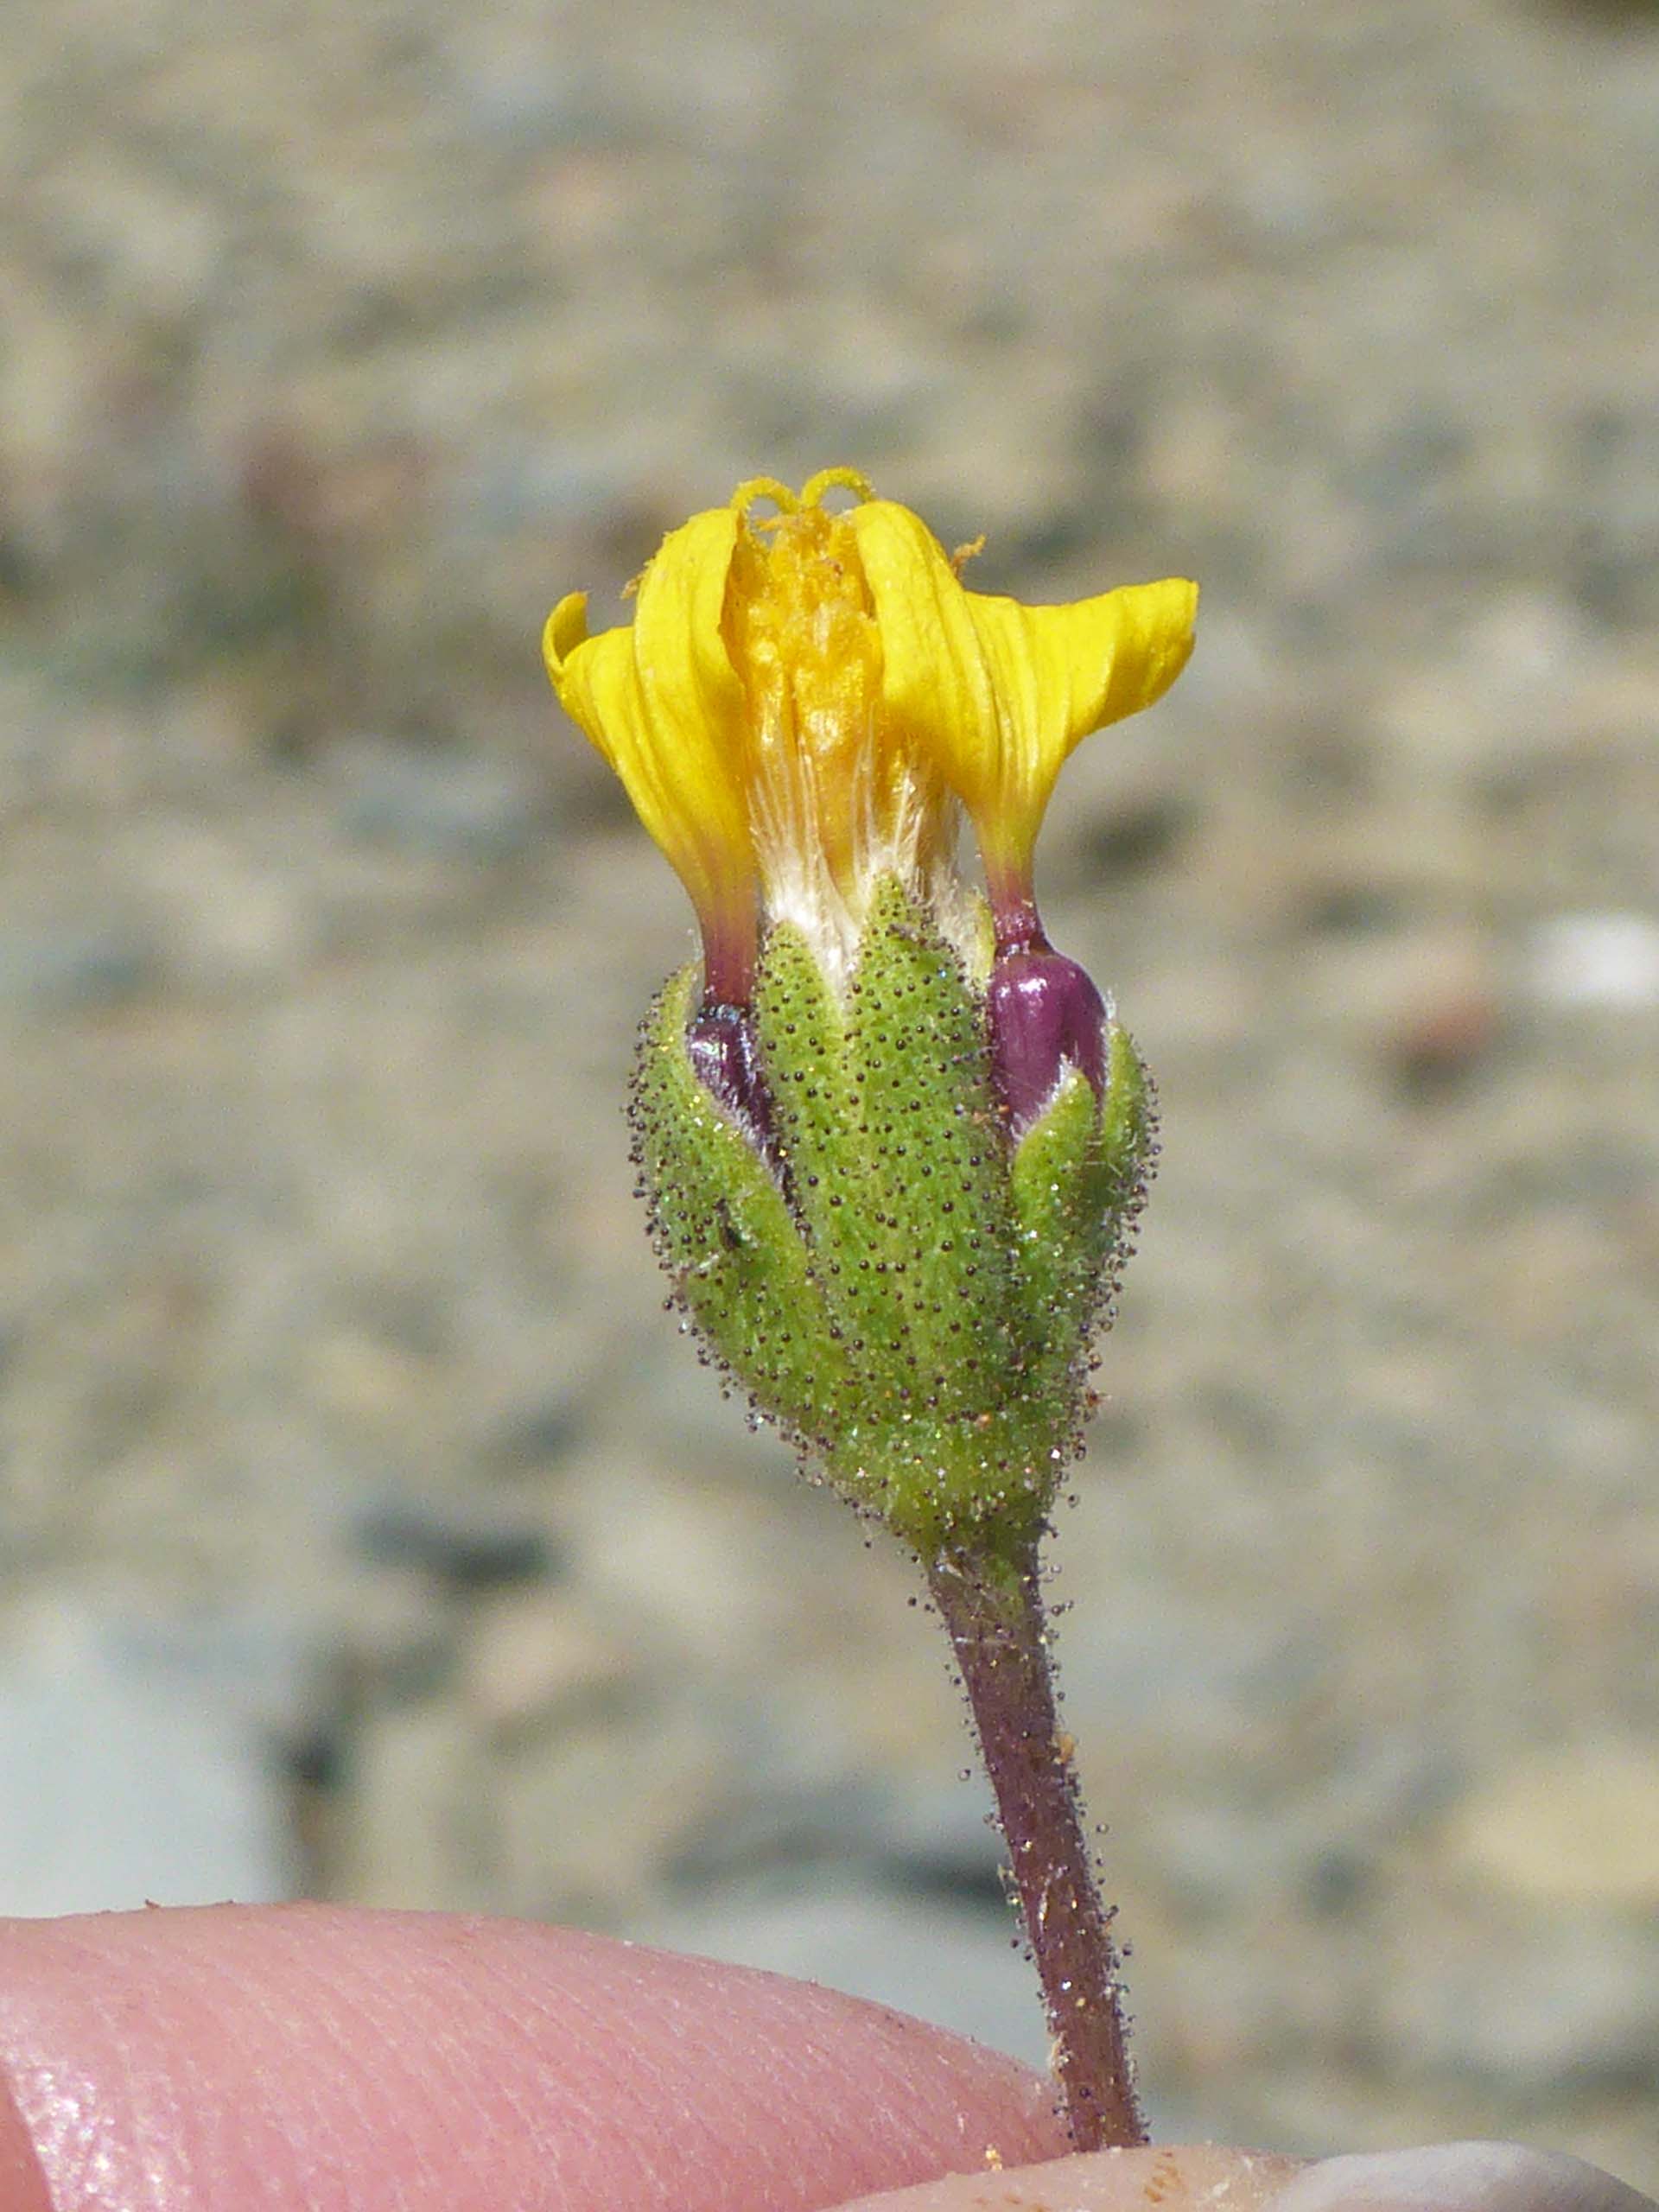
355 1491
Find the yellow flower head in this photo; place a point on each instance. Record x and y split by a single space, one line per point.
802 699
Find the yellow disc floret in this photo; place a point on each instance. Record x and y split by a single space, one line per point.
802 699
836 797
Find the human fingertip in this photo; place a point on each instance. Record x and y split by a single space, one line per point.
1459 2177
1180 2178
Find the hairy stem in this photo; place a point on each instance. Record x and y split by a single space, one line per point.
993 1612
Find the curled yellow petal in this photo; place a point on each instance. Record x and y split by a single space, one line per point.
1000 693
803 697
661 701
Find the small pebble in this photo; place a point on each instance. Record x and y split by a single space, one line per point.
1609 960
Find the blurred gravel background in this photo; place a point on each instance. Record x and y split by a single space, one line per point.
364 1527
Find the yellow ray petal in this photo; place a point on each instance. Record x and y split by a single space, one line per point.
660 699
1000 693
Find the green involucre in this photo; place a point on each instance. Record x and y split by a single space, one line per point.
907 1293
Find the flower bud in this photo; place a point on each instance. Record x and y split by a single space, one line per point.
891 1141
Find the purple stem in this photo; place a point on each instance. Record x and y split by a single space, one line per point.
992 1612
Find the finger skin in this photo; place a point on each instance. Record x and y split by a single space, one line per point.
1441 2177
1154 2180
226 2059
22 2186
